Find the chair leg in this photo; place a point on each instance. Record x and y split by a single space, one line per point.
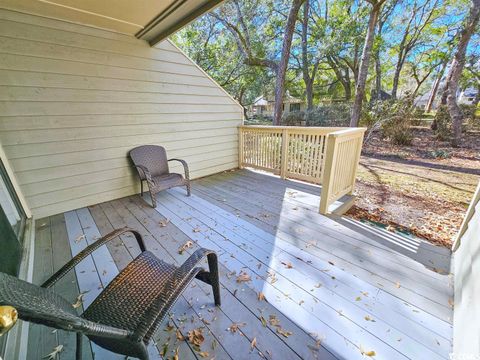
213 275
154 199
187 185
78 352
141 188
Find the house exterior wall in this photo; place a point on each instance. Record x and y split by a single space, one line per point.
466 259
76 99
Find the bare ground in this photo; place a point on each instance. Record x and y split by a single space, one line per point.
410 188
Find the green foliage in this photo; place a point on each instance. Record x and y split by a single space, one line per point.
336 32
440 154
336 114
443 124
393 118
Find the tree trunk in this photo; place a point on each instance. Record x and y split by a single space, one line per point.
378 76
307 79
396 78
347 86
282 66
363 72
435 86
456 70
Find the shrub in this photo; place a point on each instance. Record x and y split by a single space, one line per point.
440 154
393 118
443 124
293 118
336 114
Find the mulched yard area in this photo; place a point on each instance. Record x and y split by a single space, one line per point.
424 188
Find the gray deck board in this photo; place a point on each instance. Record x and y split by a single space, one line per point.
242 302
398 280
332 274
344 284
299 288
236 347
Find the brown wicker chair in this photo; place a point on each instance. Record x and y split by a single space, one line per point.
126 315
152 166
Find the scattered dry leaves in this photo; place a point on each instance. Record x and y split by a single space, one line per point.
164 223
235 327
253 343
196 337
243 277
179 336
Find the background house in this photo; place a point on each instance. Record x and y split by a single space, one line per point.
264 105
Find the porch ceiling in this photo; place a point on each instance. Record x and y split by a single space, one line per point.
150 20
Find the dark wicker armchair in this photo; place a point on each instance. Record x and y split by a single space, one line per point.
125 316
152 166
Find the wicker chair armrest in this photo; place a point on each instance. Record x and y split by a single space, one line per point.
88 250
185 167
180 279
91 328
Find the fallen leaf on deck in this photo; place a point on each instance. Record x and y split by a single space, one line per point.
196 229
253 343
368 353
264 322
235 327
288 265
164 351
54 354
175 355
79 301
284 332
204 354
368 318
273 320
185 246
451 303
179 335
358 298
261 296
214 344
397 285
195 336
164 223
80 238
243 277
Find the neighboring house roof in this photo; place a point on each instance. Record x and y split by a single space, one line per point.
260 101
263 100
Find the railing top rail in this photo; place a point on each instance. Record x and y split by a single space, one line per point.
293 128
348 132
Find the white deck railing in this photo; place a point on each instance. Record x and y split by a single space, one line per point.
326 156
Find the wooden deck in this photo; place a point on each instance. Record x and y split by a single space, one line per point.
334 288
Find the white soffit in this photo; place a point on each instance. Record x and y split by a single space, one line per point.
150 20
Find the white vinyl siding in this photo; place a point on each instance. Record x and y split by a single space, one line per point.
74 100
466 319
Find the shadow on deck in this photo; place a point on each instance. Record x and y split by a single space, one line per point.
334 288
